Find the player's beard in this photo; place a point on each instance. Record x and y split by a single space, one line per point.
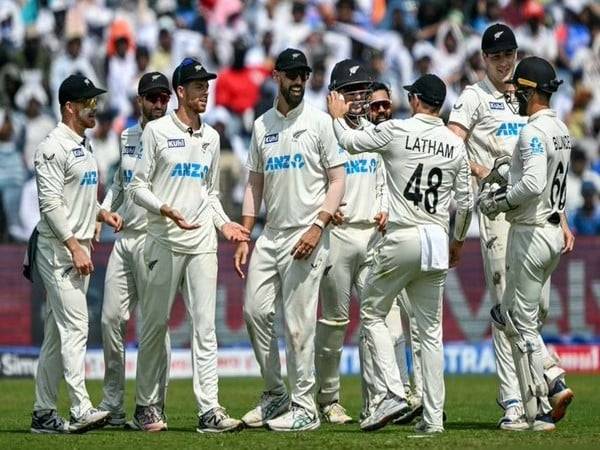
154 112
293 99
87 117
523 99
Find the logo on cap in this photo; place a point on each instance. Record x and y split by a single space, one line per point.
353 69
87 82
154 77
295 55
498 34
198 67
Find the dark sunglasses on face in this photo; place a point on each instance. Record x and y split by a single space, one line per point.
158 96
293 74
385 104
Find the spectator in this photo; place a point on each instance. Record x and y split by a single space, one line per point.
579 172
586 220
316 88
105 144
534 34
161 60
121 66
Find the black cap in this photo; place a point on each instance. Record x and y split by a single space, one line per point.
537 73
153 81
77 87
188 70
430 88
498 38
347 72
291 59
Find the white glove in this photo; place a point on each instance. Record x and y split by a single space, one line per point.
492 200
499 173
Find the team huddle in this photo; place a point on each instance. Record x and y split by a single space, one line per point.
355 200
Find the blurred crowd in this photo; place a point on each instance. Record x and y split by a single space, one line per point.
114 42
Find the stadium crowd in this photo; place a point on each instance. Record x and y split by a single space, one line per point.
114 42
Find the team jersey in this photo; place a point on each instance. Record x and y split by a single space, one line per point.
117 199
493 127
293 153
67 180
424 163
366 193
538 170
179 167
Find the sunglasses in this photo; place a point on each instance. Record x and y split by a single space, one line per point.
293 74
89 103
377 105
155 97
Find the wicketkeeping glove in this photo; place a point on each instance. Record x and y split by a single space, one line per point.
499 173
492 200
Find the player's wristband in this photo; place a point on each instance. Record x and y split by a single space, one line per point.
319 223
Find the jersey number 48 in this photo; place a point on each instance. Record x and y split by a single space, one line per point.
413 193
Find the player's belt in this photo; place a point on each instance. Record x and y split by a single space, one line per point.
554 218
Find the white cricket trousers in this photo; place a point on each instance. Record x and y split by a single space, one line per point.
274 277
65 329
346 269
123 289
196 276
532 255
494 241
396 265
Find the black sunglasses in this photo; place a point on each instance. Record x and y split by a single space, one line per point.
293 74
385 104
154 97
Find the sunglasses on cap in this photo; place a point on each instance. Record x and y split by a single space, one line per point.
293 74
154 97
376 105
90 103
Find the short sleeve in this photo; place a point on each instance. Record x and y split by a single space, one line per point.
466 109
255 162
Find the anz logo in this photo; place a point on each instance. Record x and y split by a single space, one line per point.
509 129
127 176
284 162
89 179
190 170
360 166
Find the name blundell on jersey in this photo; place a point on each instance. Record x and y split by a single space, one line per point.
562 142
429 146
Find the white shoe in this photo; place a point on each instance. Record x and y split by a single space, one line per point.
270 407
560 398
91 420
514 418
335 413
390 408
416 409
543 423
422 428
296 419
217 421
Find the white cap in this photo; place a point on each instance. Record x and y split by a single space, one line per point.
30 91
423 49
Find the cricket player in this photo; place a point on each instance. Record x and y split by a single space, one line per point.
533 201
67 180
484 117
400 321
125 273
424 163
176 181
362 218
296 166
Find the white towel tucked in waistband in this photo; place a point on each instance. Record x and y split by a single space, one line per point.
434 247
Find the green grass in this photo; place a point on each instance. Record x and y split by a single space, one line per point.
470 406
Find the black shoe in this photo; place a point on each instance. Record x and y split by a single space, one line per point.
48 422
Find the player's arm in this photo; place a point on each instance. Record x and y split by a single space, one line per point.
464 200
371 139
381 195
568 236
50 176
232 231
335 193
139 188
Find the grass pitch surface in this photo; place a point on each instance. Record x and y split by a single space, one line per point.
470 405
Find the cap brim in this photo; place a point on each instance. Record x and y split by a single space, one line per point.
408 87
500 48
154 88
93 92
294 67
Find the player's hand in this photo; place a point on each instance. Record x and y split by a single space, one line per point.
479 171
455 249
234 232
178 218
111 219
338 216
569 239
97 233
81 260
240 257
307 243
336 105
381 219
